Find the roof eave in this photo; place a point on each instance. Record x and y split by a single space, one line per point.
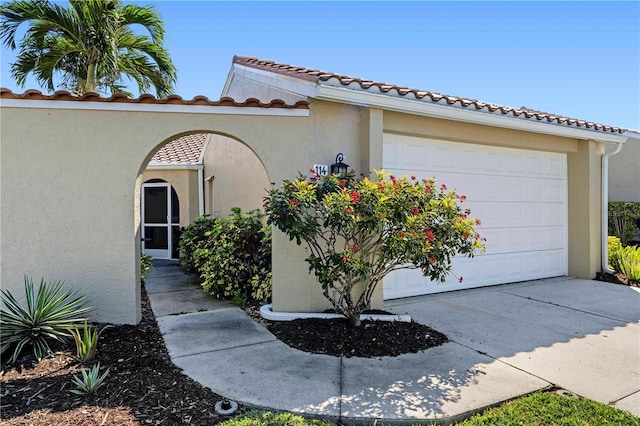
391 103
155 165
286 83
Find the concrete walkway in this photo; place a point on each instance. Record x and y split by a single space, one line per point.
506 341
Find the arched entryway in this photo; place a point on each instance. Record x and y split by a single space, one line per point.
193 175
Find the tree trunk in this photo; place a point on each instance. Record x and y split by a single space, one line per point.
90 84
354 320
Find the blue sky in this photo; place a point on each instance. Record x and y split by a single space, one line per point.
580 59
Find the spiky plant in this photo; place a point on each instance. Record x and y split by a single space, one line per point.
86 339
90 381
48 316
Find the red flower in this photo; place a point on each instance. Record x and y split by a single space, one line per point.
432 261
413 178
355 197
460 279
266 203
428 189
443 187
401 234
462 197
312 170
294 202
273 183
347 210
342 182
355 248
415 209
464 215
478 222
430 236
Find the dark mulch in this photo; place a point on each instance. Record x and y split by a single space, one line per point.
143 386
616 278
371 339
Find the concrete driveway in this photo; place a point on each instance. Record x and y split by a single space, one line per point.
580 335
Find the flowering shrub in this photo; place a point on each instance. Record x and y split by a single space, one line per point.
359 230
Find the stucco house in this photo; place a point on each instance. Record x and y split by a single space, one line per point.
534 179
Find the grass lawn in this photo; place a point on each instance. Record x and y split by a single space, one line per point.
539 409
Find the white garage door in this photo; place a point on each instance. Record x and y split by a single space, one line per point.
519 195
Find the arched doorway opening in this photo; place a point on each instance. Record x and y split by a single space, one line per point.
191 175
160 219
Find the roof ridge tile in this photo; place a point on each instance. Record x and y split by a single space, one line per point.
63 95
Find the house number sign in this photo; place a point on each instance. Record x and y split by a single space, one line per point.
321 169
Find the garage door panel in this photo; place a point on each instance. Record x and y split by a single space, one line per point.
513 214
500 240
445 156
480 271
491 187
520 196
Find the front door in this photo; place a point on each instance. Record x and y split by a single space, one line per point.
160 220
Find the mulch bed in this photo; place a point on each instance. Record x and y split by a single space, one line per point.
372 339
143 386
616 278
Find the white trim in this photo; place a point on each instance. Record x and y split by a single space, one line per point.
165 108
153 165
201 192
392 103
285 83
267 313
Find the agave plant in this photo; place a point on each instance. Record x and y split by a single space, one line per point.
90 381
48 316
86 339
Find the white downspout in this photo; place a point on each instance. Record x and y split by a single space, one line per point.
201 176
605 209
201 191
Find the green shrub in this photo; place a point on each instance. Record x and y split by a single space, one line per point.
86 340
627 261
613 247
623 220
232 256
193 238
48 316
145 264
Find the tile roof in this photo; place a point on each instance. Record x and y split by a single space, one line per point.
184 150
332 79
63 95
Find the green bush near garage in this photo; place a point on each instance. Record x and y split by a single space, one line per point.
624 220
231 255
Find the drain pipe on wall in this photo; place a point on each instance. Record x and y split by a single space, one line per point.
605 208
